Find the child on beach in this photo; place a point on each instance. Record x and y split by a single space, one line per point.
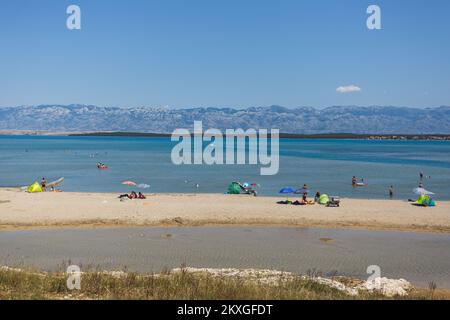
43 184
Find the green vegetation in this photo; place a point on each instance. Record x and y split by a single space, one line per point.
15 284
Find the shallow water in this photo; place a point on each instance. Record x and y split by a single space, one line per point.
325 165
419 258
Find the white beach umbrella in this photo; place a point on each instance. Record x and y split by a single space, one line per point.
422 191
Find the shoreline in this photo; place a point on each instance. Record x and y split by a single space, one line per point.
74 210
283 135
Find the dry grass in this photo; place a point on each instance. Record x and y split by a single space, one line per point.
27 285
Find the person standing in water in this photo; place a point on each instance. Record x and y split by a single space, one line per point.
391 191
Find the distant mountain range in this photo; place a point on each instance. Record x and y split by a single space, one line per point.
302 120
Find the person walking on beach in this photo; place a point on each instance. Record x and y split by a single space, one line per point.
391 191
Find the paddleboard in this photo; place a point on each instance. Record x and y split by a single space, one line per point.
55 183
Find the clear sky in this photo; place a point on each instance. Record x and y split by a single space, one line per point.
236 53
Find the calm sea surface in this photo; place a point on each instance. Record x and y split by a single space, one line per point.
325 165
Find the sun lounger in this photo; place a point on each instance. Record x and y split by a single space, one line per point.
334 202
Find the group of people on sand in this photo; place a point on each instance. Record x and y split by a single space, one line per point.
133 195
304 200
305 196
318 199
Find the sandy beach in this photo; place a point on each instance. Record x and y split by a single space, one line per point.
20 210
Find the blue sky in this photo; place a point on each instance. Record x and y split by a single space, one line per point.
236 53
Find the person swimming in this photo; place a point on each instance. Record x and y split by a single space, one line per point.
101 165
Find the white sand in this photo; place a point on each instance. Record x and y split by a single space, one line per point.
20 210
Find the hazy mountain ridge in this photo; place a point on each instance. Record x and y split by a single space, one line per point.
304 120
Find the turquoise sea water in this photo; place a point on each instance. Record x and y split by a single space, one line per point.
325 165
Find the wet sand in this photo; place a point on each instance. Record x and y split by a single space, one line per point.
20 210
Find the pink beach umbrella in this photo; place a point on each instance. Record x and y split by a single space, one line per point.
129 183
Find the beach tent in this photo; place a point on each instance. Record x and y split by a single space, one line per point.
34 188
234 188
324 199
425 201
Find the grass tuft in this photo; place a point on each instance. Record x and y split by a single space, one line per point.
17 284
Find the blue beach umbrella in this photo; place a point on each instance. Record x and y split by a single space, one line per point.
287 190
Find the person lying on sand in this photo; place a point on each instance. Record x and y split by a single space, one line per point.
133 195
